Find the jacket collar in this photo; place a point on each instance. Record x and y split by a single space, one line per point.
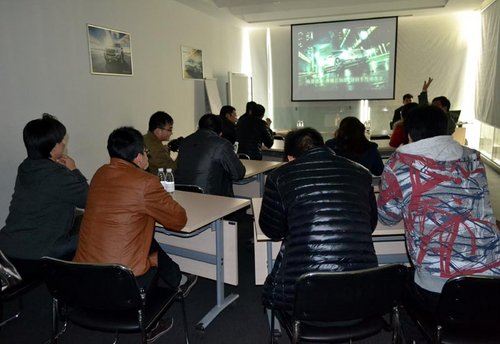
121 162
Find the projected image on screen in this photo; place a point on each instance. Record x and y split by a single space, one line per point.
344 60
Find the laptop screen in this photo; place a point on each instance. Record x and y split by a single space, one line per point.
455 114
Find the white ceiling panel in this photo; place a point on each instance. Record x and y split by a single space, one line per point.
286 12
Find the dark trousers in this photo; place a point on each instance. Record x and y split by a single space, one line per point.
167 274
420 298
29 269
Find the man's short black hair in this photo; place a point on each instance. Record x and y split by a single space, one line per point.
259 111
249 107
211 122
159 119
226 109
426 121
405 109
297 142
125 143
41 135
407 96
445 102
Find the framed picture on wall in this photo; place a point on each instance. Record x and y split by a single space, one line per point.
192 63
110 51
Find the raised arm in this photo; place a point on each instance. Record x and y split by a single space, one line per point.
422 97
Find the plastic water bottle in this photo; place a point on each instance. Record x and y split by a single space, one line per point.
162 176
169 181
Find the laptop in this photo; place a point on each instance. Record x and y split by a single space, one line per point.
455 114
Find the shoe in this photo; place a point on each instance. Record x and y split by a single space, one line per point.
187 283
161 327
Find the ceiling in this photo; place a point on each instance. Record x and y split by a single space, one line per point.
286 12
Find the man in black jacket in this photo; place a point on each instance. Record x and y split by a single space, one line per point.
229 118
252 131
207 160
322 206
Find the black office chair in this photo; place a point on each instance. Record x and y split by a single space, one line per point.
243 156
189 188
361 298
13 293
104 297
468 312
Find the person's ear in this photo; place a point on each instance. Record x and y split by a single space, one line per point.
141 161
137 159
157 132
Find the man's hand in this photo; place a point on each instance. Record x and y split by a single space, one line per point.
174 144
67 161
426 85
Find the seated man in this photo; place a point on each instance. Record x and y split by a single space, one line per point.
49 187
441 102
229 118
322 206
252 131
159 129
439 189
123 204
207 160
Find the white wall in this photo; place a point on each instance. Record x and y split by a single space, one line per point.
427 46
44 67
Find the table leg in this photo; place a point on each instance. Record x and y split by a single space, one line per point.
260 180
222 302
269 253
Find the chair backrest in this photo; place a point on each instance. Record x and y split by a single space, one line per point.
92 286
243 156
189 188
470 301
339 296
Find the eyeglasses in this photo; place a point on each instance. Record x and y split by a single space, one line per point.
167 129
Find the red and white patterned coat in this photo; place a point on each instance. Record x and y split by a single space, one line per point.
439 189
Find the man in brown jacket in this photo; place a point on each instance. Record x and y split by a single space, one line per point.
160 128
123 203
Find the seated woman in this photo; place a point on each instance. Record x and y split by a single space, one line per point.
42 211
399 136
351 143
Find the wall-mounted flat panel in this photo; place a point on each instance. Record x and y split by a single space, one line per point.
239 91
213 96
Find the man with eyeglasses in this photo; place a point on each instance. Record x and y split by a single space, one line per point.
159 130
229 118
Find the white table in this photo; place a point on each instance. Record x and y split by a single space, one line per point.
204 212
255 171
275 153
